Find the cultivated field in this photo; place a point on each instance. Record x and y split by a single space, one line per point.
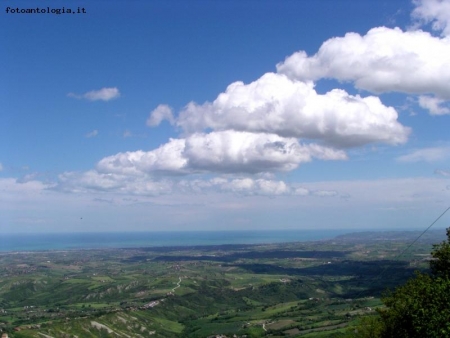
311 289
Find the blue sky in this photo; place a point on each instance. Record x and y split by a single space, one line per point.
214 115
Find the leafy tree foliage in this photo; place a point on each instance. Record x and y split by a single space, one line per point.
440 265
369 327
421 307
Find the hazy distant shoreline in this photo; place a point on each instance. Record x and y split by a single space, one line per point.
72 241
65 241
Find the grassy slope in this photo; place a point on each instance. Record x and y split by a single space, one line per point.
288 289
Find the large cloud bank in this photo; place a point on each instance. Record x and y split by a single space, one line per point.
279 121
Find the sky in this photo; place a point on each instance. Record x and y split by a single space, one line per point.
224 115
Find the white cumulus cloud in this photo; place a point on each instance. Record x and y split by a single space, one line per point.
383 60
290 108
257 187
220 152
246 186
167 158
93 181
301 191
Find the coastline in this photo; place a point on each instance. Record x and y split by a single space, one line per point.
74 241
34 242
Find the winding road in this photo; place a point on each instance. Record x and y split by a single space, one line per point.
178 285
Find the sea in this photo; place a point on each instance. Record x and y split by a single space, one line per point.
71 241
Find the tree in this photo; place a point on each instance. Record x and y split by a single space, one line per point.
440 265
421 307
369 327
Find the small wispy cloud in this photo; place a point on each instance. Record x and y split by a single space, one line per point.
434 12
128 133
28 178
442 172
161 113
1 166
426 155
104 94
434 105
93 133
325 193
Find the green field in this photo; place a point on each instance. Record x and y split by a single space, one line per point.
309 289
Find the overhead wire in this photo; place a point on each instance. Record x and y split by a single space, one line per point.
406 249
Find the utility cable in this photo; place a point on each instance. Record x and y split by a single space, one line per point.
407 248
